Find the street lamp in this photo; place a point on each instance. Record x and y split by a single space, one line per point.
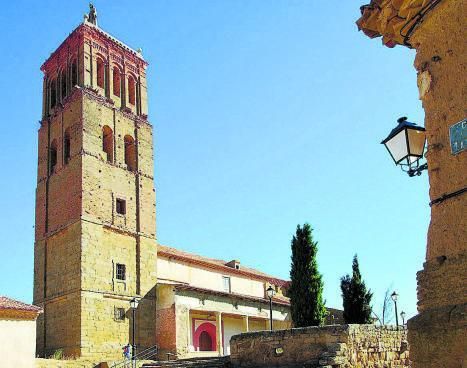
133 304
406 144
270 292
394 297
403 318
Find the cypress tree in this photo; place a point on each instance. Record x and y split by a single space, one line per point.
306 287
356 299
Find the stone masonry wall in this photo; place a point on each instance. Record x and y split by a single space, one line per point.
80 363
437 333
349 346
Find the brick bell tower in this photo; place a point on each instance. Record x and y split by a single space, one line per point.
95 246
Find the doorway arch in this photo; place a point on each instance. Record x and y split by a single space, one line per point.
204 338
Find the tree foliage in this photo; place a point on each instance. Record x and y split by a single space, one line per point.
356 298
306 288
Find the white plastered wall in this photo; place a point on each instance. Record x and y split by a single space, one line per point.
17 343
207 279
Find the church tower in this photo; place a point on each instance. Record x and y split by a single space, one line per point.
95 244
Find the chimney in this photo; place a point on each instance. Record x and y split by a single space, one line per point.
233 264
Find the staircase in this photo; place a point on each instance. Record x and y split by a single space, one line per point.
216 362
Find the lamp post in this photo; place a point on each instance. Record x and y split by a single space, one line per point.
403 318
394 297
133 304
406 144
270 292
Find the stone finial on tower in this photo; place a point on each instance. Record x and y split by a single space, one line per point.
92 16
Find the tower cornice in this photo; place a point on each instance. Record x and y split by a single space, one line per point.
98 38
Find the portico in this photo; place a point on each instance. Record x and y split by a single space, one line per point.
202 303
205 320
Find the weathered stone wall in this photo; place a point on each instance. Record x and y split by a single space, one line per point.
436 30
437 334
56 363
349 346
109 238
76 255
80 363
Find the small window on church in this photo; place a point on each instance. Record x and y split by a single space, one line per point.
63 82
52 156
119 314
120 272
67 146
131 90
100 73
108 143
130 152
53 93
120 205
226 284
116 81
74 73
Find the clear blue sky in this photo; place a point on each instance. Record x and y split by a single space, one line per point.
267 114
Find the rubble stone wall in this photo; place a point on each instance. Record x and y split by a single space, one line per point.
349 346
437 333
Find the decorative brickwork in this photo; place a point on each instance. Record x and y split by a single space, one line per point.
166 331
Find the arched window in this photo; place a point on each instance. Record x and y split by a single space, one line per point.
108 143
67 146
131 90
74 73
100 73
52 156
130 153
63 83
117 82
53 93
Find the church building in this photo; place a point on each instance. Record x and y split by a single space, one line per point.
95 236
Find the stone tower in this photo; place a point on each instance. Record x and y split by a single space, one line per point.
435 29
95 246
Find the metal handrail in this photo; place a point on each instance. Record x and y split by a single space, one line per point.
142 355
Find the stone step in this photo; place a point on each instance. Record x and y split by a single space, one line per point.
222 362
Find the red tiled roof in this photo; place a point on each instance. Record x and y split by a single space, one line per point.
11 304
217 264
276 300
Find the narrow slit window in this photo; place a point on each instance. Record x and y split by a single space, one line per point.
131 90
130 152
74 74
63 81
53 93
100 73
67 147
117 82
52 156
108 143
